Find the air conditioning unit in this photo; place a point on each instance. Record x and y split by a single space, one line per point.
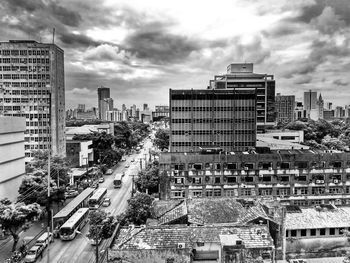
261 175
336 181
270 168
321 181
246 168
181 245
318 181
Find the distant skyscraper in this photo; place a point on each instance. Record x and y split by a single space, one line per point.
285 108
81 107
102 93
145 106
329 105
133 110
320 105
32 86
240 76
310 102
123 107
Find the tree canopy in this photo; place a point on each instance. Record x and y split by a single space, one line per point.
138 210
148 179
15 217
101 225
162 139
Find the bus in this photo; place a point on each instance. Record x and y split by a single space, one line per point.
96 200
78 202
118 180
75 223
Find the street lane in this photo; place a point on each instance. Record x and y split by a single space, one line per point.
79 250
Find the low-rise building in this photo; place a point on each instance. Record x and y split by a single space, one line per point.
12 159
87 129
79 153
179 243
300 177
317 232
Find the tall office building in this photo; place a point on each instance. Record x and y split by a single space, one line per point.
285 108
310 103
145 106
102 94
240 76
221 119
320 107
81 107
32 83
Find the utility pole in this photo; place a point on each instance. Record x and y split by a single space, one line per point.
48 181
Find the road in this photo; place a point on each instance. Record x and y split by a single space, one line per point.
79 250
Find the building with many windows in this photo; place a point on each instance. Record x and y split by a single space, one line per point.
212 118
160 112
299 177
285 108
32 86
104 105
239 77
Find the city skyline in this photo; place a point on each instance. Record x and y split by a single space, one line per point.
141 50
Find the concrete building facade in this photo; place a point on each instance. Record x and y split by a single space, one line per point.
285 108
79 153
213 118
12 158
310 102
240 76
103 93
298 177
32 86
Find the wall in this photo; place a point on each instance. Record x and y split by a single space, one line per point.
12 166
150 255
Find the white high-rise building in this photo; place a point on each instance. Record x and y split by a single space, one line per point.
32 86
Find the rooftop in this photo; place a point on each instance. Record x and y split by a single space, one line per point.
308 218
204 211
160 237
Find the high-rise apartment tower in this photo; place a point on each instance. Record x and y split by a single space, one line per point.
32 86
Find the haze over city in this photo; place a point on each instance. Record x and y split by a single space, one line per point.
140 49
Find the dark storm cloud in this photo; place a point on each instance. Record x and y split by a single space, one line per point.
73 40
159 46
340 82
51 8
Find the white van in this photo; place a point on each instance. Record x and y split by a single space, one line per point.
45 239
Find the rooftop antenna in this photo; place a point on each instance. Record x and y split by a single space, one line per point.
53 36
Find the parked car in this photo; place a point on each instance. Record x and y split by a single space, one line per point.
109 171
33 253
106 202
101 180
71 193
127 166
44 239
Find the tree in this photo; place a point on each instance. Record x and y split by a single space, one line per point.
139 209
16 217
148 180
101 227
162 139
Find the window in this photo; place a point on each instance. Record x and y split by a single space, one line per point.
293 233
267 191
332 231
178 194
312 232
336 164
284 178
318 190
231 179
248 166
303 232
285 165
266 179
217 166
301 191
283 191
179 180
197 180
209 193
217 192
231 166
217 180
249 179
322 232
197 193
301 165
246 192
301 178
197 166
230 193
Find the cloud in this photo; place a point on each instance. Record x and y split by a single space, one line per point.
328 22
340 82
79 91
106 52
77 40
303 79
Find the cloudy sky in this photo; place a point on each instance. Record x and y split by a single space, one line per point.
141 48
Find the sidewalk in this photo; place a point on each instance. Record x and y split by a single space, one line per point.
31 233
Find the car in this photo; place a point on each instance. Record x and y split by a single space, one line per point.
44 239
106 202
33 253
109 171
132 160
127 166
101 180
71 193
123 160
